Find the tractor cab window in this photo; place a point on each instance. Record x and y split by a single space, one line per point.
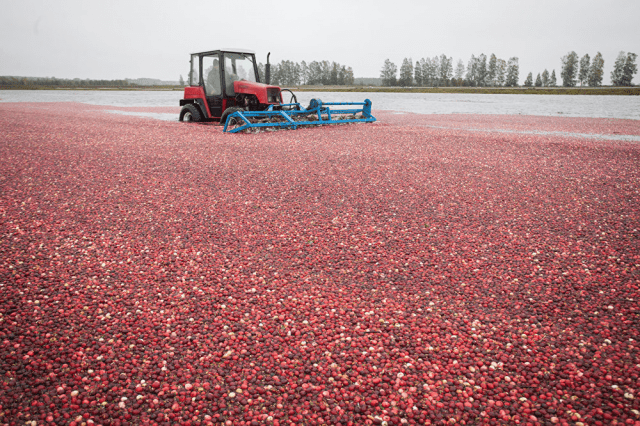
238 66
211 75
194 72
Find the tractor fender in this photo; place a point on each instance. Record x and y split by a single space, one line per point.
200 103
195 95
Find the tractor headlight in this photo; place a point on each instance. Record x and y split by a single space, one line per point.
273 96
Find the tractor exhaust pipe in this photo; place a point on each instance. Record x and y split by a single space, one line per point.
267 70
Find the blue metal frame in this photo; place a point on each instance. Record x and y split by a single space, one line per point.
316 107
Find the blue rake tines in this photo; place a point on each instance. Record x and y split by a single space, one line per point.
295 115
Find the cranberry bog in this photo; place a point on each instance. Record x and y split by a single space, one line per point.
463 269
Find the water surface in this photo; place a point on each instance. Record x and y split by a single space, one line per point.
597 106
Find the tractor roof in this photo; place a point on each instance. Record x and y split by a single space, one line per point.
230 50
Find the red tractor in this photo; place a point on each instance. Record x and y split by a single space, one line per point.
222 82
224 86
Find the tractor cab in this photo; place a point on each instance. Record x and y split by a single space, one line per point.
222 82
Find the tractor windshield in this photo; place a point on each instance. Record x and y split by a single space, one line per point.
239 66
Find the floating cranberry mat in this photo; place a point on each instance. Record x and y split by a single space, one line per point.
418 270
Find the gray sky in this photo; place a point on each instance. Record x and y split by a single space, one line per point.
143 38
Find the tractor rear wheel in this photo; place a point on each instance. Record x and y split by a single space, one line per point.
190 113
227 112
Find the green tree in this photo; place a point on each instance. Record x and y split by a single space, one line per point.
417 73
583 75
341 75
529 80
333 74
181 80
406 73
425 70
501 69
348 76
325 72
618 67
304 72
513 72
545 78
596 71
315 73
297 73
288 73
275 74
481 71
538 81
492 70
459 73
435 70
472 71
553 81
446 70
569 69
624 69
388 73
432 66
630 68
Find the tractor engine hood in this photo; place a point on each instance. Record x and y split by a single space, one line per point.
265 93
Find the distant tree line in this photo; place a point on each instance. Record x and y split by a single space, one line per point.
439 71
62 82
289 73
494 72
583 70
542 80
590 72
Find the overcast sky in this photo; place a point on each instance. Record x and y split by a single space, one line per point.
116 39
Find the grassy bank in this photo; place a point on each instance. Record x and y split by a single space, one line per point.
105 88
618 91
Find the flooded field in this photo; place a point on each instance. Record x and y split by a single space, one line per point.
423 269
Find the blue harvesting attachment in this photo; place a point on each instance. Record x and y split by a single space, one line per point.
293 115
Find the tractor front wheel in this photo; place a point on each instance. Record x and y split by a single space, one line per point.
190 113
227 112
